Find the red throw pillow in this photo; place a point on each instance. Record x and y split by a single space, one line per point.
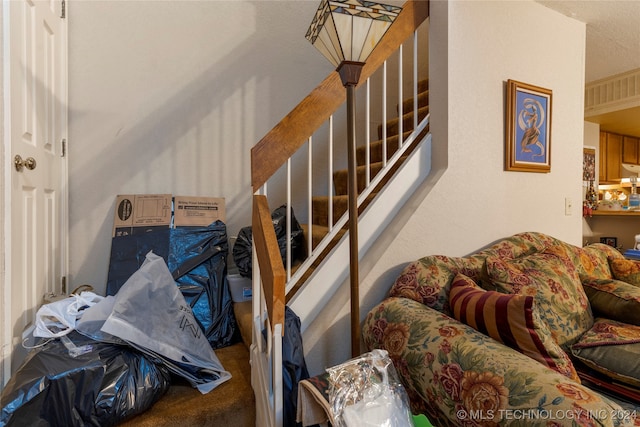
510 319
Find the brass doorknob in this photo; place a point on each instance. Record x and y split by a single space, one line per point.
19 163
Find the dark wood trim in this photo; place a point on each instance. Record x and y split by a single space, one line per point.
273 150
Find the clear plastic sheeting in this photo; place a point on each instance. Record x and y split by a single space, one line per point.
102 387
366 392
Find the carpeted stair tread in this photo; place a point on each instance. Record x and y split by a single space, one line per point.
375 149
423 97
320 207
341 177
232 403
423 101
318 232
407 122
423 85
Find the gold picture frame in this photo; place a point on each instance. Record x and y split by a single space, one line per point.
528 128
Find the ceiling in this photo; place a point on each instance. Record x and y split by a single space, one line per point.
612 47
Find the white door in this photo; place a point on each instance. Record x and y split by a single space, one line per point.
35 91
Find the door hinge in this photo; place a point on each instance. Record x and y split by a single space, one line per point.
64 148
63 282
63 11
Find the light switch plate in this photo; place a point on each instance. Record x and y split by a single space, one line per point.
568 206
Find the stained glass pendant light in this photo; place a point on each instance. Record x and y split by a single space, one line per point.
349 30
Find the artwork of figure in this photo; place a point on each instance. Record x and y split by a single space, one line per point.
528 128
530 119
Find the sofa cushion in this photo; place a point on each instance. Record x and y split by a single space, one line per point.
509 319
428 279
449 370
553 281
593 260
614 299
613 349
626 270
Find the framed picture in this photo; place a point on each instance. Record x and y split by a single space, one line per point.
528 128
611 241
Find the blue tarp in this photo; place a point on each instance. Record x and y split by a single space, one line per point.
197 258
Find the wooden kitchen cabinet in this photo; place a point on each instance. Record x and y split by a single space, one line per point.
610 157
630 150
602 165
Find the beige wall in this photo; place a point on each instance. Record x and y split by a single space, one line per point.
169 97
475 47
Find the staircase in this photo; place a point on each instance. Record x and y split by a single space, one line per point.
379 153
388 170
377 160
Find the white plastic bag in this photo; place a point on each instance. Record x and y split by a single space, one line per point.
150 313
58 318
366 392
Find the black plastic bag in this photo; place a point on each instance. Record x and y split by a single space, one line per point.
294 367
242 250
100 388
197 258
198 262
242 247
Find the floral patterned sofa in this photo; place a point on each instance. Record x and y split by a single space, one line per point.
495 338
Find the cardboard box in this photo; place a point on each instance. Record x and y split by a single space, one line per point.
141 213
197 211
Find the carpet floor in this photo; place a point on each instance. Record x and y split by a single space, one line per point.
230 404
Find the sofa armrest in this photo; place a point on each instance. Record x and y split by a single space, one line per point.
614 299
458 376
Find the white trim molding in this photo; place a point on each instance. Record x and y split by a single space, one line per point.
613 93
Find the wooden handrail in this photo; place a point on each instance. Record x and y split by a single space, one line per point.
272 271
273 150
